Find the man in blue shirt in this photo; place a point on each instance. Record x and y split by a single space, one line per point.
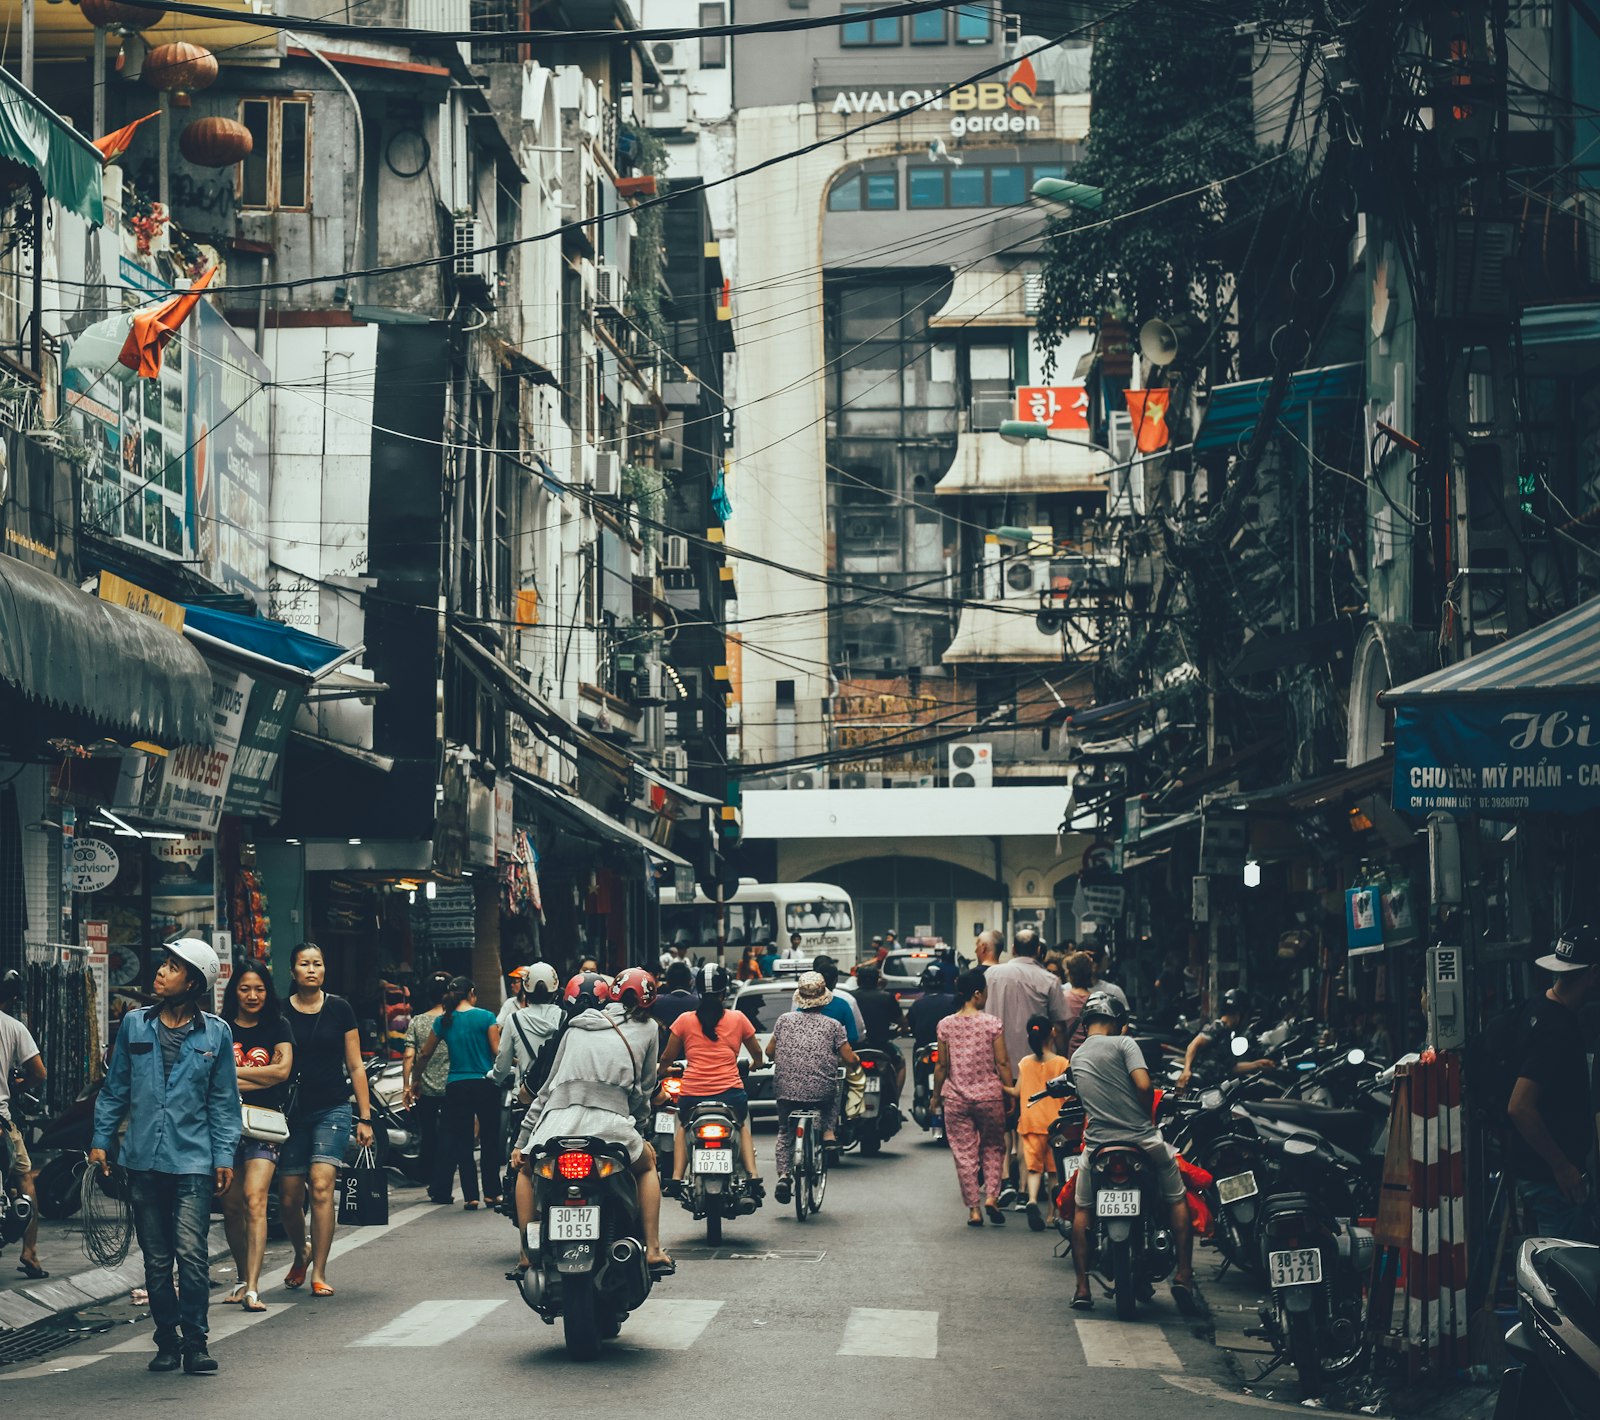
841 1007
172 1077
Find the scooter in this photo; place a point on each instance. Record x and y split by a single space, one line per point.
396 1140
1555 1344
924 1062
715 1185
666 1110
66 1139
587 1247
880 1116
16 1209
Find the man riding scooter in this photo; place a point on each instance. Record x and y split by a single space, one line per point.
1113 1082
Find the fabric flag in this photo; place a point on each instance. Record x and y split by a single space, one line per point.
1148 409
117 142
151 330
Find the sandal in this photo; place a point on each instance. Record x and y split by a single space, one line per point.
995 1215
236 1296
471 1207
975 1222
321 1289
295 1277
665 1268
253 1303
1085 1303
31 1270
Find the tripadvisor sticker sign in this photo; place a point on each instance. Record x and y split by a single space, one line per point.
991 106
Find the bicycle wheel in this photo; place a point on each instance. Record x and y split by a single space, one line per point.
817 1177
797 1167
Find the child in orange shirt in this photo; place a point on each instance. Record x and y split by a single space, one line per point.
1034 1072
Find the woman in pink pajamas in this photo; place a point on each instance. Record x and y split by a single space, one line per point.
970 1084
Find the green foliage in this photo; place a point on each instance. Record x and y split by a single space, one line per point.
647 487
1171 114
644 285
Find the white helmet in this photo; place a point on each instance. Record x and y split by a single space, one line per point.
191 951
541 973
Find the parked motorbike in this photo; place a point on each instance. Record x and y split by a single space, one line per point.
16 1208
396 1140
715 1183
63 1143
587 1249
924 1062
1555 1344
880 1118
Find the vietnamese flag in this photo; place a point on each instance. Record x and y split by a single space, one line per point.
117 142
1148 409
151 330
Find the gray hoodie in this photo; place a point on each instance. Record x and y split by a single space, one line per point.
594 1086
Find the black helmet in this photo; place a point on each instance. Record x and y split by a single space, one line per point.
1235 1000
712 980
1103 1006
932 978
11 986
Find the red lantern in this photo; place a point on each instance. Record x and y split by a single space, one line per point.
123 19
180 69
215 142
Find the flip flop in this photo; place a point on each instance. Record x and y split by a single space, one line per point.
295 1277
665 1268
1188 1298
253 1303
995 1215
321 1289
974 1222
235 1297
1083 1304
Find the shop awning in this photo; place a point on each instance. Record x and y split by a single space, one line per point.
35 135
987 466
1232 410
269 644
1508 730
67 649
1303 796
62 32
590 822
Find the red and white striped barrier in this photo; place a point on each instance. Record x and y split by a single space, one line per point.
1436 1260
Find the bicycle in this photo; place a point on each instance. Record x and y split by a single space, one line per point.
808 1164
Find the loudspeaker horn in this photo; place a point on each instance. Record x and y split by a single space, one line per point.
1159 341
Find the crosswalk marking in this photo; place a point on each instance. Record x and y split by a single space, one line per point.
223 1323
872 1331
1122 1347
430 1323
661 1325
351 1238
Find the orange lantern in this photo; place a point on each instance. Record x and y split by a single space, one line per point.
215 142
180 69
123 19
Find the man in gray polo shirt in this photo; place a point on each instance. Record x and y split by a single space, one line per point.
1022 988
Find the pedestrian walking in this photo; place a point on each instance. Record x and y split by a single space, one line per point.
750 966
423 1087
327 1046
263 1057
19 1054
173 1079
1037 1068
971 1084
470 1097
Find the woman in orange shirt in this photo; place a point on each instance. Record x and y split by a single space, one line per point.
1037 1068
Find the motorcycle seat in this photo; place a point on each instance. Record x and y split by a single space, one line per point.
1347 1129
1573 1273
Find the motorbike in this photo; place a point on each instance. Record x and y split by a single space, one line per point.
924 1062
715 1184
16 1209
1555 1343
879 1120
587 1247
396 1140
66 1139
666 1112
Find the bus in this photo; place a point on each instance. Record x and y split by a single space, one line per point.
763 915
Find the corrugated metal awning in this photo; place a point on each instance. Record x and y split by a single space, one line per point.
1232 410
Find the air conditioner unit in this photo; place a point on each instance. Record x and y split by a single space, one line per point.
669 107
971 764
607 473
648 684
1023 578
675 762
469 262
669 57
1032 292
911 781
610 286
808 779
675 552
853 779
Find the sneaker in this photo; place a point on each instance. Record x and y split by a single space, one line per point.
756 1189
197 1361
1008 1196
168 1357
782 1190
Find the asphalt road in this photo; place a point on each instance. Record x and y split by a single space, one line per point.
886 1304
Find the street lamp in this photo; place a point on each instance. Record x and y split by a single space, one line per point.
1020 431
1061 193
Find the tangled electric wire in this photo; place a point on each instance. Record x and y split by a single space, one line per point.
107 1215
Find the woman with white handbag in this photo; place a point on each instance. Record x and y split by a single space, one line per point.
263 1053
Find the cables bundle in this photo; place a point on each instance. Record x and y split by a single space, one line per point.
107 1215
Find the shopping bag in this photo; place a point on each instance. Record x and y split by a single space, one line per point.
363 1192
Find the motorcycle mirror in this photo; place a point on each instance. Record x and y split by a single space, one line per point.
1356 1056
1240 1046
1299 1146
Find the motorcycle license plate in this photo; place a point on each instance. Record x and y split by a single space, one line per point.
1299 1267
1237 1187
1117 1203
713 1161
873 1086
666 1123
574 1224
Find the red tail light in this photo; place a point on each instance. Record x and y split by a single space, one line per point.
573 1166
869 1064
716 1132
934 1057
1117 1170
673 1087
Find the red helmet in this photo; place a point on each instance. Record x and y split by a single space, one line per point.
587 991
634 987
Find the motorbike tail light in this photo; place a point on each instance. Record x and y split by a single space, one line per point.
575 1165
673 1087
713 1132
934 1057
869 1064
1117 1170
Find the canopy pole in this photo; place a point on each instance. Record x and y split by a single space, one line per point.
99 123
26 65
36 338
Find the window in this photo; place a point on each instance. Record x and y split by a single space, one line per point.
877 33
926 187
1053 170
1007 187
845 195
276 175
713 48
928 27
972 25
883 191
967 187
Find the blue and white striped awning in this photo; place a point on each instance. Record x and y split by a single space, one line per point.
1561 656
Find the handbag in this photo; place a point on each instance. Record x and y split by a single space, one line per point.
362 1190
263 1124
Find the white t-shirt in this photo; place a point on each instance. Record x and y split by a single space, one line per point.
17 1047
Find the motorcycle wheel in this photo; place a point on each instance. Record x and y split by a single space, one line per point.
59 1186
1122 1283
381 1147
580 1321
714 1229
1303 1355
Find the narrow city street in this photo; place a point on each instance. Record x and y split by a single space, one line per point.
885 1304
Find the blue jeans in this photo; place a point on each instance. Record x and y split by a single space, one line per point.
172 1216
1553 1216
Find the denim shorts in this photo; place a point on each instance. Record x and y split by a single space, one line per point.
255 1149
736 1100
320 1137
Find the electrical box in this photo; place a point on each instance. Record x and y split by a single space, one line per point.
1447 996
